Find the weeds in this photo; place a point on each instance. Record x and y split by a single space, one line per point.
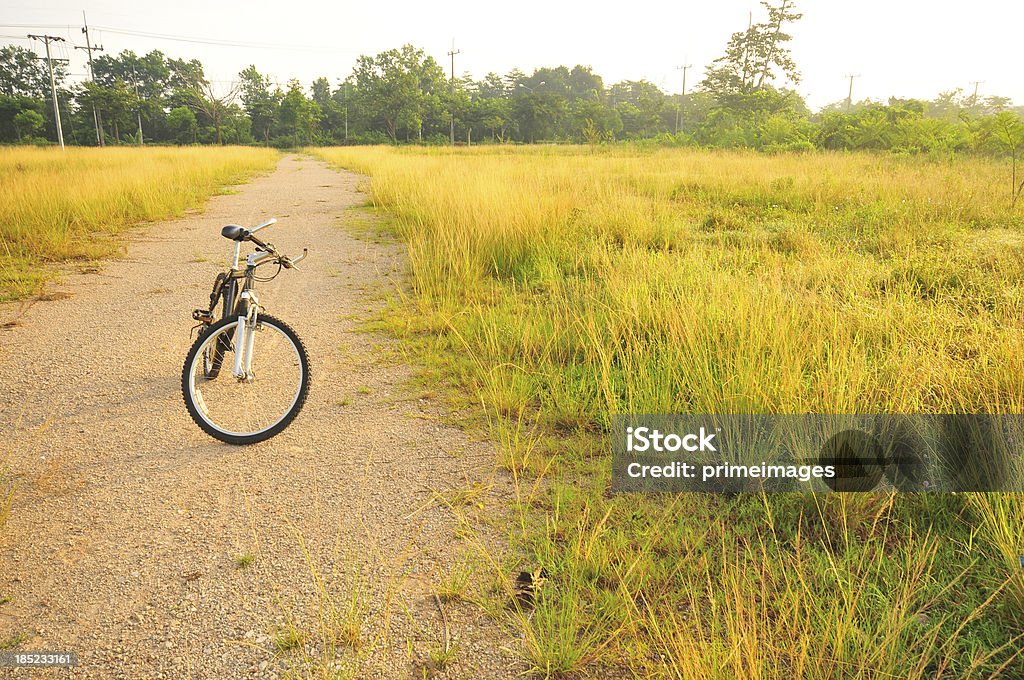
454 583
288 637
442 657
13 640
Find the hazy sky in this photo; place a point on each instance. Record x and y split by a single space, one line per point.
906 48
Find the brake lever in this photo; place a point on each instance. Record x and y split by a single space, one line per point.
293 264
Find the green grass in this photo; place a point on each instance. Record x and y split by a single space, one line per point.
453 584
288 637
13 640
442 657
557 287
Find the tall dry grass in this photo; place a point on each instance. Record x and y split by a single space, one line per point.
564 285
67 205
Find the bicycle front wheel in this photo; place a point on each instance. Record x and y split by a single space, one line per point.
261 403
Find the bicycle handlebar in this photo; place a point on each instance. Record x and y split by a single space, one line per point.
272 220
239 234
284 260
290 263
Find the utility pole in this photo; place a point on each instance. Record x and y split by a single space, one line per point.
89 47
974 99
346 113
452 54
849 96
746 51
138 104
47 39
679 110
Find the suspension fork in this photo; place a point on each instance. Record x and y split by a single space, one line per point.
245 335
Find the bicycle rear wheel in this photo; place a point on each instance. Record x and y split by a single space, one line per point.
223 297
253 408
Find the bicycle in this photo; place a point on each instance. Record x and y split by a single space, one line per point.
269 378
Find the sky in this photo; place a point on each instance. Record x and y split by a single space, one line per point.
907 48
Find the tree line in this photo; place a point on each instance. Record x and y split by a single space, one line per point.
746 100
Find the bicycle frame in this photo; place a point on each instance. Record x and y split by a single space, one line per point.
248 313
247 305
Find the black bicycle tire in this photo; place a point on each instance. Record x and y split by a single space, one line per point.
239 440
223 289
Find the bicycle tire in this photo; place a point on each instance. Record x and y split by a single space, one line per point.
247 438
223 289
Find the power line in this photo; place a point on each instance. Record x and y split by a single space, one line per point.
218 42
64 26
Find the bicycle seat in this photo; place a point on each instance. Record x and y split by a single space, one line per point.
235 232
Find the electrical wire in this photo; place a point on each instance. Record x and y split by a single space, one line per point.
218 42
64 26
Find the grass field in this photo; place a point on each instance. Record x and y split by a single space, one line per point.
70 205
560 286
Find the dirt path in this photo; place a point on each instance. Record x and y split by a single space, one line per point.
128 525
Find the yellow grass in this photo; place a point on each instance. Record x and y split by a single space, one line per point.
57 206
565 285
730 281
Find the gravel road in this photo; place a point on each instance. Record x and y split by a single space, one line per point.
153 550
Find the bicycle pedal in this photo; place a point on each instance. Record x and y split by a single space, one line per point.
203 315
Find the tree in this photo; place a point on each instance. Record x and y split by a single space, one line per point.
115 104
321 92
585 84
147 78
25 94
754 59
397 88
261 105
492 86
22 74
642 107
216 108
182 125
1004 133
495 114
299 116
28 123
